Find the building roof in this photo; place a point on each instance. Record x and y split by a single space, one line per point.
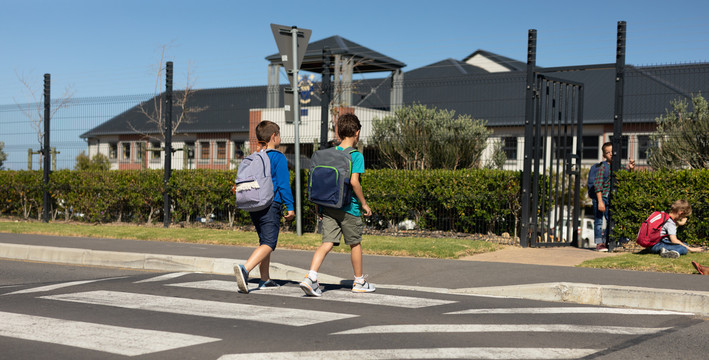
365 59
222 110
444 69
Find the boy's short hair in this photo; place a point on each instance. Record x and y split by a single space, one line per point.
348 125
265 129
682 208
605 145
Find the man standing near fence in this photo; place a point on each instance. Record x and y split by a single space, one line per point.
602 187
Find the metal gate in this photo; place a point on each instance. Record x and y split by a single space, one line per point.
552 158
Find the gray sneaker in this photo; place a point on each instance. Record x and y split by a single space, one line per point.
310 287
364 287
669 254
242 278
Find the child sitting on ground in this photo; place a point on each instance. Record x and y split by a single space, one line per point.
670 246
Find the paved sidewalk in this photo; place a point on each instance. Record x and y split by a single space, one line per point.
556 280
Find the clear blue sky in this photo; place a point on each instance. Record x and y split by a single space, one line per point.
104 48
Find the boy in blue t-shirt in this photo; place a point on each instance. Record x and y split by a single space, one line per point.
345 221
268 221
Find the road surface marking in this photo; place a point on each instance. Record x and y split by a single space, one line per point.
530 328
436 353
163 277
59 286
214 309
106 338
569 310
332 295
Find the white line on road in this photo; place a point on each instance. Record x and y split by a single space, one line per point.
106 338
59 286
331 295
163 277
214 309
530 328
436 353
569 310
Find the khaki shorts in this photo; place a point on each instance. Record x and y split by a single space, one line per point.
336 223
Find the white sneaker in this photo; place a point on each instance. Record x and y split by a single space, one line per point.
669 254
364 287
310 287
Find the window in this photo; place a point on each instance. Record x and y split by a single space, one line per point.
590 148
155 155
643 146
221 150
238 151
140 152
204 150
563 145
190 150
112 151
509 146
125 151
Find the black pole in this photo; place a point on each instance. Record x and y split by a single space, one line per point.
617 127
528 134
326 96
45 151
168 141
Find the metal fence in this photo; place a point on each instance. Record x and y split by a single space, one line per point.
218 130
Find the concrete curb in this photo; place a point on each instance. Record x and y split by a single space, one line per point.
696 302
140 261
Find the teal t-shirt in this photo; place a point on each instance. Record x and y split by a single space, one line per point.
354 208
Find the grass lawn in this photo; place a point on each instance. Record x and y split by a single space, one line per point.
442 248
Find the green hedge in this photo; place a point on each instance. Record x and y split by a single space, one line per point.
462 200
642 192
471 201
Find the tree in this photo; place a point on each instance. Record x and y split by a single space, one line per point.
154 109
498 157
98 163
34 110
3 155
681 139
417 137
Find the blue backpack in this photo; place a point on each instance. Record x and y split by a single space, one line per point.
330 172
254 185
592 177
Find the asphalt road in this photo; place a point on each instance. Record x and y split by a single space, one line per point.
52 311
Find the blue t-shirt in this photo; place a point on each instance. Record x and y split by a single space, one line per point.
281 179
354 207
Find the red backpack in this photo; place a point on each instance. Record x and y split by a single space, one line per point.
651 229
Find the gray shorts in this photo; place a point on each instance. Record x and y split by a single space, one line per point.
336 223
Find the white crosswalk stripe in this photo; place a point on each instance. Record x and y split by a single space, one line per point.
331 295
437 353
569 310
208 308
163 277
106 338
462 328
58 286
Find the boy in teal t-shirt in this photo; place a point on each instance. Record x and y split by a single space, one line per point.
344 222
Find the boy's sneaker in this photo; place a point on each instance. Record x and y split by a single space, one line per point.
364 287
601 248
669 254
242 278
310 287
268 284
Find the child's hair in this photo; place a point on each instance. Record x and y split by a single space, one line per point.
264 130
682 208
347 125
605 145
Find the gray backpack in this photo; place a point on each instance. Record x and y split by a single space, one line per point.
254 185
329 183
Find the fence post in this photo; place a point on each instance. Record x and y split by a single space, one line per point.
45 151
168 143
326 95
528 133
617 128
